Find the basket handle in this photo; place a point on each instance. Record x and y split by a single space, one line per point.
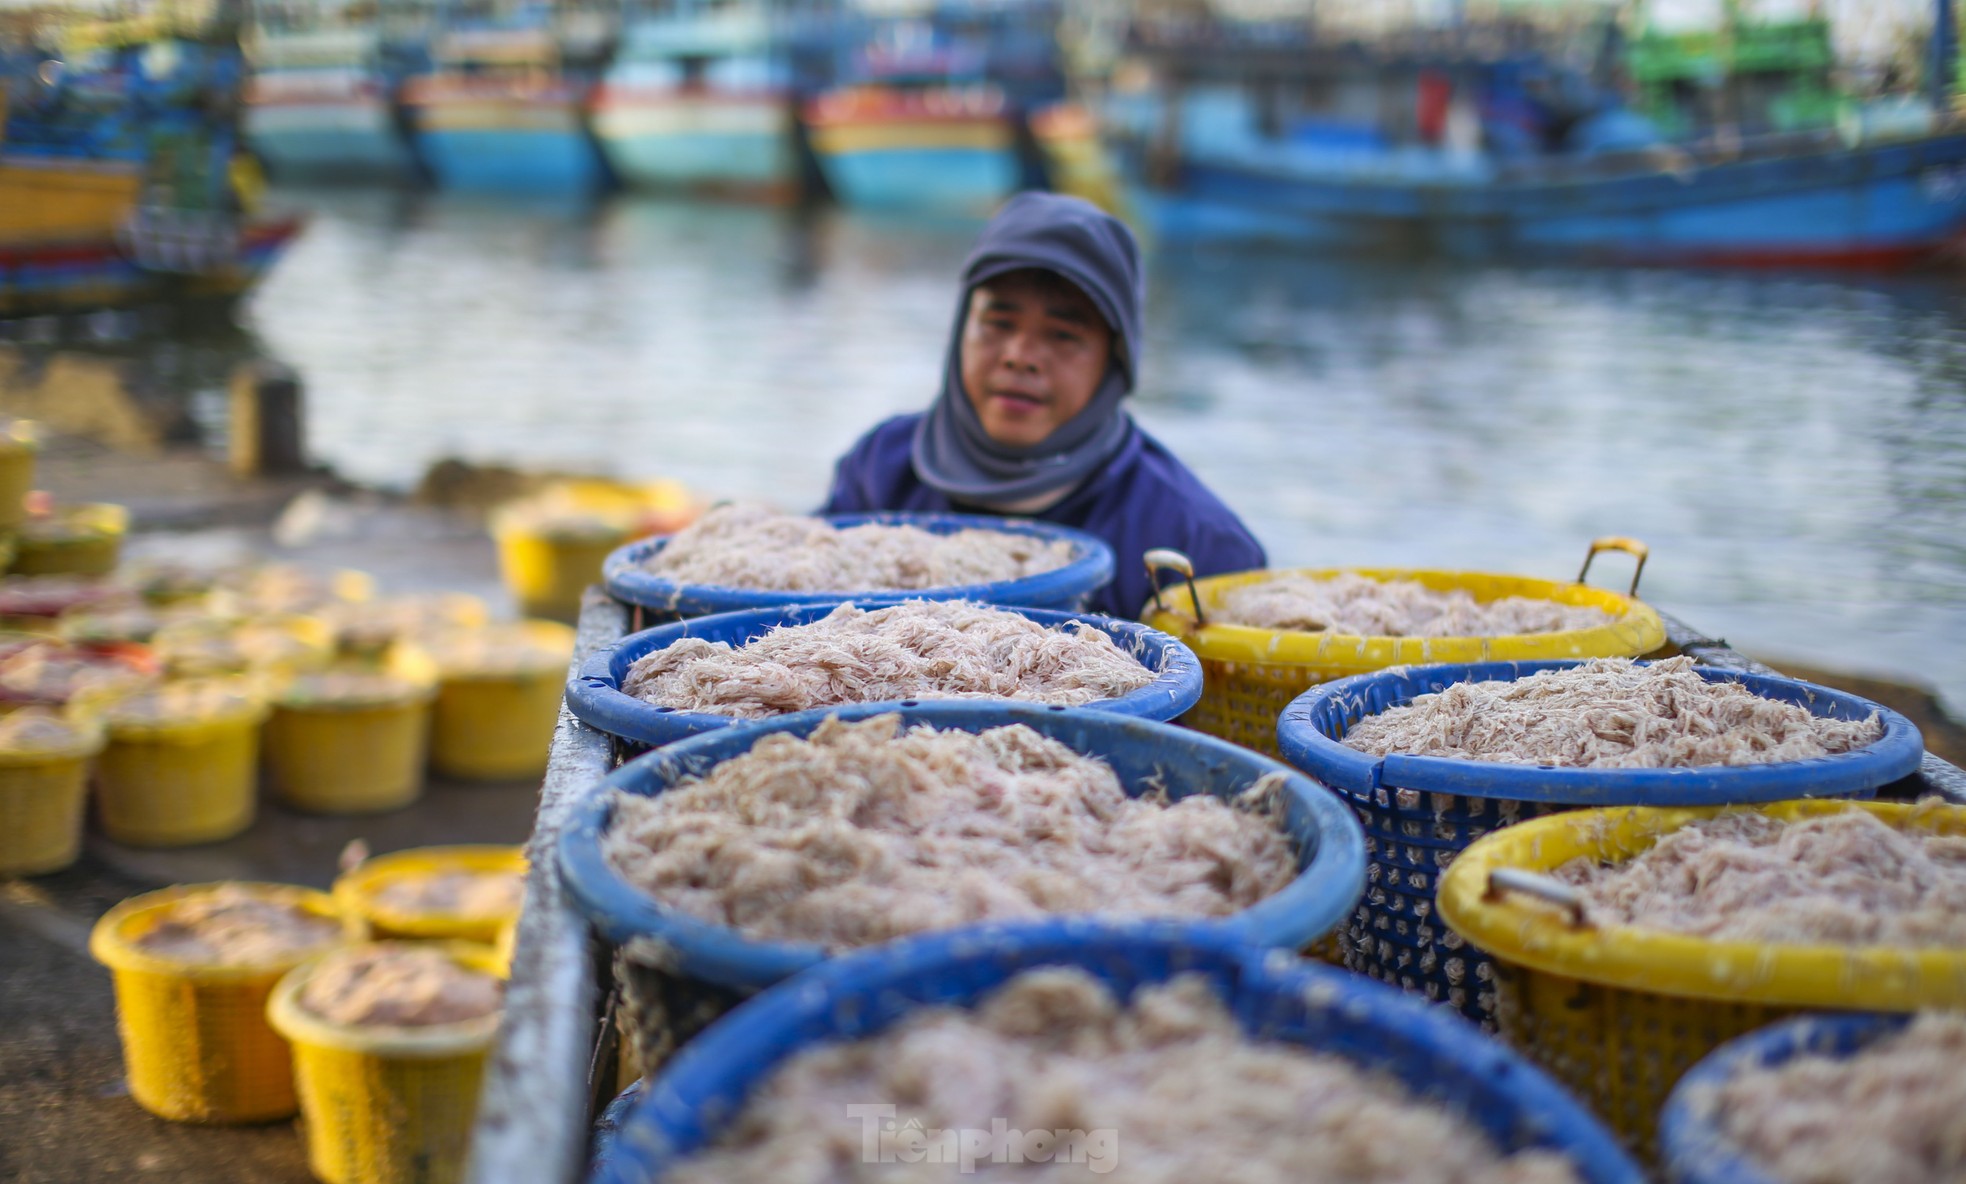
1614 542
1167 558
1548 889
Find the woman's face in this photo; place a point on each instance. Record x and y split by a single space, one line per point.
1034 350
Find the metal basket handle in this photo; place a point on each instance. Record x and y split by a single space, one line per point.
1547 889
1167 558
1613 542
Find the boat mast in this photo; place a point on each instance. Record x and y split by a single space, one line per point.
1945 47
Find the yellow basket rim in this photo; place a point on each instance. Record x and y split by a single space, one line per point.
1637 630
111 944
1660 962
91 738
297 1024
252 709
355 890
96 522
553 633
407 664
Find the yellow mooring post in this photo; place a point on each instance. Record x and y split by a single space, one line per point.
266 437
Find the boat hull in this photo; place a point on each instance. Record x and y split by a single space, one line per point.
1880 205
957 165
668 140
93 271
510 145
329 140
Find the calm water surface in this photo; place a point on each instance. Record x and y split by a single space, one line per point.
1792 448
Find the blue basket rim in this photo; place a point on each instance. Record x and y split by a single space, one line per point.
1317 900
1693 1149
1305 744
626 580
594 694
743 1047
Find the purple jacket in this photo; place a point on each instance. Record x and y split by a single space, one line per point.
1144 499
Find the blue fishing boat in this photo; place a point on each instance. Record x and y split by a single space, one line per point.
323 104
504 108
917 127
700 98
1485 155
931 112
121 181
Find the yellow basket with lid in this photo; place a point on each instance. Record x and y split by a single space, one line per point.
387 1104
181 765
1620 1014
1250 675
367 898
44 785
498 699
196 1044
83 539
352 740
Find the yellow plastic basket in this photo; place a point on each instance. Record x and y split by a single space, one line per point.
550 545
357 890
1620 1015
386 1105
495 722
42 794
350 758
83 539
546 573
18 446
1250 675
175 782
196 1044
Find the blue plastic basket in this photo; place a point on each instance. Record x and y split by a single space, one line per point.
1330 846
595 694
1420 812
1064 588
607 1128
1694 1150
689 972
1274 996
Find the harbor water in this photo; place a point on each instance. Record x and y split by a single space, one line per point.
1792 447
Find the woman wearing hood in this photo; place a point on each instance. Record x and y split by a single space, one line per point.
1031 418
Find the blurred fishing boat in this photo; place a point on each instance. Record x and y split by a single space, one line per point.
700 98
504 105
916 126
930 111
1495 150
323 105
121 180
